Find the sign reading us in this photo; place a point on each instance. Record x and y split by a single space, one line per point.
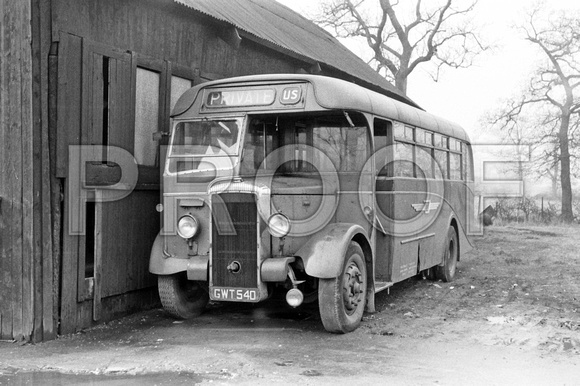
291 95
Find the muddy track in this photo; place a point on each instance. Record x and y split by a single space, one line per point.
512 316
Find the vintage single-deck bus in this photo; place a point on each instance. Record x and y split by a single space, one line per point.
309 185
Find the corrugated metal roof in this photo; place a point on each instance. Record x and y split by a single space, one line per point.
281 26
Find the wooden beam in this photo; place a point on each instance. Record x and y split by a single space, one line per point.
50 323
68 126
16 156
30 145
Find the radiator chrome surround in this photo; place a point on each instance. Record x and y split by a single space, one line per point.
262 192
261 195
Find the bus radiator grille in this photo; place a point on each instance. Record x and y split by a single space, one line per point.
234 239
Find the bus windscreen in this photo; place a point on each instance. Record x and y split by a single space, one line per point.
206 138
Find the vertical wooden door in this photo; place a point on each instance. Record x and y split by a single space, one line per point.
123 230
108 263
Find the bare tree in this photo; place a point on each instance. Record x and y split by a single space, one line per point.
401 38
553 93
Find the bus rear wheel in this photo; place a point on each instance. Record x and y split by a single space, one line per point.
180 297
342 300
446 272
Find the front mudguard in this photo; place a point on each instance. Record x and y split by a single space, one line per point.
323 254
160 263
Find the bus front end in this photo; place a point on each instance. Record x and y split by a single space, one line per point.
225 215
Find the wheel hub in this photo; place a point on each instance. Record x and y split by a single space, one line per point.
352 288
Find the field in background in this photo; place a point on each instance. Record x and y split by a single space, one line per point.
521 281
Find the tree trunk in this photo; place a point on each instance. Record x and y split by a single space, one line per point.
554 177
567 214
401 83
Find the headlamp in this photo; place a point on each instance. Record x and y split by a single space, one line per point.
187 226
279 225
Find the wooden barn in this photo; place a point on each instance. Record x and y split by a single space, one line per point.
107 72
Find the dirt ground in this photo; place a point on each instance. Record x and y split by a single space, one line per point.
512 317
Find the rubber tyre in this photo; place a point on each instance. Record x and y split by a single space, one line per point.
182 298
342 300
446 272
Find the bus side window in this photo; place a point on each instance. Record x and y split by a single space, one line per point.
357 148
454 159
424 162
381 130
404 153
442 154
454 166
467 173
425 165
403 163
442 161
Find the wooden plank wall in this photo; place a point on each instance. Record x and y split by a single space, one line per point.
165 30
26 311
47 291
68 125
16 114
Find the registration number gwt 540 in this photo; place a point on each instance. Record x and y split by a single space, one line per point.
235 294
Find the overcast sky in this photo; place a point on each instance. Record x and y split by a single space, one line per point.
465 95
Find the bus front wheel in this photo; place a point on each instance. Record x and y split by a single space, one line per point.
342 300
180 297
446 272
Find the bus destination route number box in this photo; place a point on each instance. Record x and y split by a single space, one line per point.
283 96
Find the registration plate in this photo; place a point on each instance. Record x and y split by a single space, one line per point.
235 294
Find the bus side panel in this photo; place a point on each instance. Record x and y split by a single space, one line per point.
405 260
383 256
457 192
352 200
429 247
409 234
384 240
453 206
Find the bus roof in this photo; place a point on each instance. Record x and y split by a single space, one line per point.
337 94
